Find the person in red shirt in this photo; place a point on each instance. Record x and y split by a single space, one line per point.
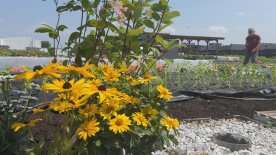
253 44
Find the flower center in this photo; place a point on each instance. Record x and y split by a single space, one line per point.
37 68
119 122
67 85
102 88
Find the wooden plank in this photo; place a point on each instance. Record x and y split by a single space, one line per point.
269 114
266 112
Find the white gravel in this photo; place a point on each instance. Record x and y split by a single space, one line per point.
196 138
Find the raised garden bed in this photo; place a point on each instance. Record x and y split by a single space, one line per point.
218 108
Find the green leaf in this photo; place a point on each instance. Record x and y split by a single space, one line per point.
136 32
149 23
53 35
76 8
61 9
96 3
73 37
61 27
97 24
164 43
155 16
171 15
87 6
45 29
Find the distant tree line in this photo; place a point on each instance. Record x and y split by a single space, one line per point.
27 52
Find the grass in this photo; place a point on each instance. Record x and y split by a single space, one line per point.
29 53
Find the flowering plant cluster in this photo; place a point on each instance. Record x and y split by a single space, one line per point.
214 76
107 107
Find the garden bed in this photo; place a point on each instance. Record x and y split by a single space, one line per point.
218 108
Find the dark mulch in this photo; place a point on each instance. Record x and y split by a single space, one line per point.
218 108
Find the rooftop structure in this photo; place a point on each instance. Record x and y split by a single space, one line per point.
189 41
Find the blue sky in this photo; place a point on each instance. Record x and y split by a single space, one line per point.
226 18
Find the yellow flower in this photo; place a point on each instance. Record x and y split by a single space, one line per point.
132 81
88 129
134 100
107 110
37 110
119 124
164 93
140 119
126 99
32 123
61 107
85 70
123 68
17 126
146 79
57 86
74 100
110 74
77 88
149 112
169 123
89 110
51 70
107 93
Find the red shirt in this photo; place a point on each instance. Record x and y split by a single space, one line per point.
252 41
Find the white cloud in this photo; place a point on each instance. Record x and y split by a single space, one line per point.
240 13
217 30
169 30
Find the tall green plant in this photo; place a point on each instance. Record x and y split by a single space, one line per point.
113 29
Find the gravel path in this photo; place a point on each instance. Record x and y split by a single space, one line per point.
199 135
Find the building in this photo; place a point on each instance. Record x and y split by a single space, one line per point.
267 49
20 43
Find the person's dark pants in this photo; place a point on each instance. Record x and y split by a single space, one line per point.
250 56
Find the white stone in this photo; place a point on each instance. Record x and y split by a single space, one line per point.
199 136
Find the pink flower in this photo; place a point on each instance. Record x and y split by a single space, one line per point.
16 70
119 9
160 65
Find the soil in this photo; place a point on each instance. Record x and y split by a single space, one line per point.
218 108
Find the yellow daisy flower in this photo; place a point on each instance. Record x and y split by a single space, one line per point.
77 88
149 112
37 110
123 68
88 129
85 70
140 119
170 123
146 79
133 82
17 126
164 93
110 74
61 107
107 110
32 123
51 70
89 110
119 124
